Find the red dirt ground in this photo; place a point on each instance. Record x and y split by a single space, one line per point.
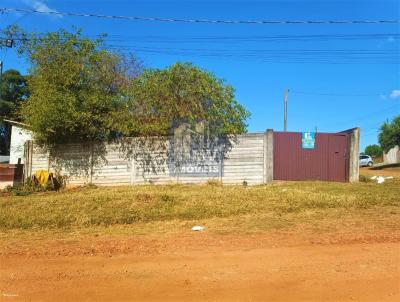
203 267
394 172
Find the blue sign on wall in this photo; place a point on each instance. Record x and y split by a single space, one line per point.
308 140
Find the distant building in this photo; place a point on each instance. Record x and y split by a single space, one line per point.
392 156
19 135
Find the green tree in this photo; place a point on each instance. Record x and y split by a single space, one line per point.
13 92
160 99
81 92
173 102
373 150
389 135
75 87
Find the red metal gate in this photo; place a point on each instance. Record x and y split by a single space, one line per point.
328 161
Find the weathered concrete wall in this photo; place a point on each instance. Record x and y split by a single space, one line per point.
393 156
243 163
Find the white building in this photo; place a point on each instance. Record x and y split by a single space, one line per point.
19 135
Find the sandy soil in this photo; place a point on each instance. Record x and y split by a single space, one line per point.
203 267
394 171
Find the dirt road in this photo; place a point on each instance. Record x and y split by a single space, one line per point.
394 172
204 269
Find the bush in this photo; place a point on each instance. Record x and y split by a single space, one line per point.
7 189
374 151
214 183
364 178
31 185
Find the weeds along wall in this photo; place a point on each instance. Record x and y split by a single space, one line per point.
246 161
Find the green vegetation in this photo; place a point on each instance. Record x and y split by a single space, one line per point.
159 99
374 151
82 92
13 92
389 136
75 86
31 185
91 206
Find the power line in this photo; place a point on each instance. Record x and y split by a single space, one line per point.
209 21
299 54
334 94
244 51
245 38
273 56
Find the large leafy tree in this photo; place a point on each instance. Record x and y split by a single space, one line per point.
373 150
160 99
389 135
75 87
177 102
82 92
13 92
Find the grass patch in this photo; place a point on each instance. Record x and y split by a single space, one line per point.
105 206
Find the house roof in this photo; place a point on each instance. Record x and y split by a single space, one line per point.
15 123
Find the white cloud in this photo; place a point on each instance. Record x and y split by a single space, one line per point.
395 94
39 5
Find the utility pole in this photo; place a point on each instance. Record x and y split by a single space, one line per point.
285 107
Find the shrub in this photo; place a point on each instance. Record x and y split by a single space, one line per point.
364 178
214 183
7 189
55 183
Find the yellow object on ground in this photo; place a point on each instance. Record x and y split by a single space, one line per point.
42 177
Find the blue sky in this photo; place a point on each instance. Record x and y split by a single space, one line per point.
339 76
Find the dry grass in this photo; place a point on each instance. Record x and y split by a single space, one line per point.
229 207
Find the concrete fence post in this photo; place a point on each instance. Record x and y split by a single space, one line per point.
354 155
133 171
268 156
28 154
91 162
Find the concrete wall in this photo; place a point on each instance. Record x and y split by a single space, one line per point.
250 160
244 162
18 138
393 156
